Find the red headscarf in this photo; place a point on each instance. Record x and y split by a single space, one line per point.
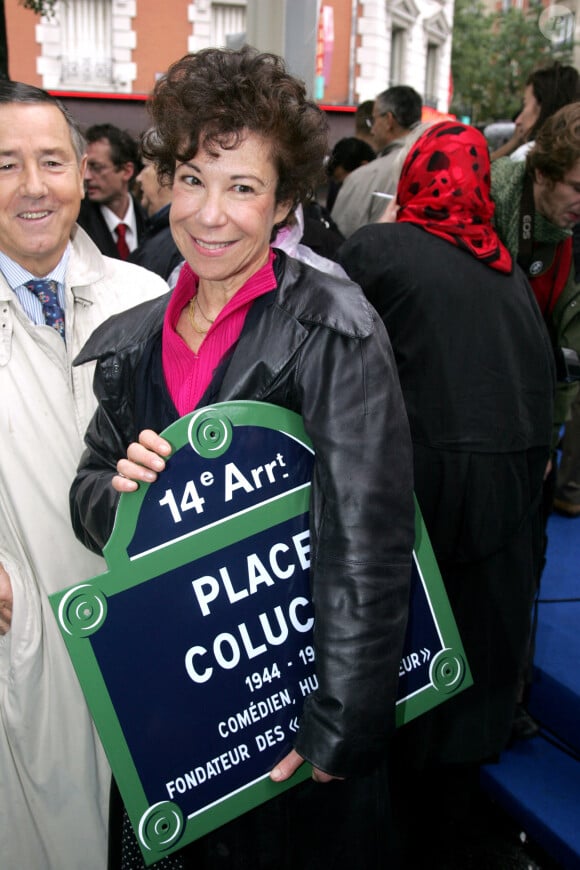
444 188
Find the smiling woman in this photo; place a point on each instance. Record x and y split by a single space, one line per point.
243 146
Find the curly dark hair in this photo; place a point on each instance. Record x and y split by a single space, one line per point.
211 98
557 148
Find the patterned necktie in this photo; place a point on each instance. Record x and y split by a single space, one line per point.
46 291
122 246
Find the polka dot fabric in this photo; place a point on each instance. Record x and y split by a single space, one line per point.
445 188
131 858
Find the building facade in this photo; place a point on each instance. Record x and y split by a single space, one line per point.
91 50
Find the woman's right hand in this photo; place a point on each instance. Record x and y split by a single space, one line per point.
145 458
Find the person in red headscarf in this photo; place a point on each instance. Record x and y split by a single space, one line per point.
476 368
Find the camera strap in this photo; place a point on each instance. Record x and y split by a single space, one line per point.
526 224
546 265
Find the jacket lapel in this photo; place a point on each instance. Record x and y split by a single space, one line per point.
278 335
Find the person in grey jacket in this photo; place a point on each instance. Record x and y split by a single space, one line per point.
244 147
396 113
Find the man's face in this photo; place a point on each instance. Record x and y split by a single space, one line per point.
106 183
153 195
41 185
381 130
559 201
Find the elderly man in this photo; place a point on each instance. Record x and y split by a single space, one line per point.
396 112
110 214
55 288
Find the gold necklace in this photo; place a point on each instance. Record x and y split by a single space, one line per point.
205 317
191 313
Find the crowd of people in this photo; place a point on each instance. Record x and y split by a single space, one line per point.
424 324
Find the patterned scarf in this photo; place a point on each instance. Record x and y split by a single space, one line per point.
445 189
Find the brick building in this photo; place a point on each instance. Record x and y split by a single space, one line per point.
103 56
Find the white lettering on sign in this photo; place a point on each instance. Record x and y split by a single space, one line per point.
254 713
256 681
203 772
190 500
413 661
235 480
310 684
227 648
269 738
280 566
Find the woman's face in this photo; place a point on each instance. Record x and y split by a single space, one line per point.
223 211
529 114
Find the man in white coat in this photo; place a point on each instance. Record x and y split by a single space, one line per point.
54 778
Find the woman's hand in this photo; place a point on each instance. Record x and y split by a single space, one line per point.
144 461
5 601
290 764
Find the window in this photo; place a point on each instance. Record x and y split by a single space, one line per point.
86 44
397 56
227 19
431 76
404 14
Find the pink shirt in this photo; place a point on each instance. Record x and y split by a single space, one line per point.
188 374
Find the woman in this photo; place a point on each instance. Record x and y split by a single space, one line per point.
475 365
547 90
243 147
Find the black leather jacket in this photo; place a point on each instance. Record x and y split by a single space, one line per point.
319 349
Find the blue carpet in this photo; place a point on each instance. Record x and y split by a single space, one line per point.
555 693
540 786
538 781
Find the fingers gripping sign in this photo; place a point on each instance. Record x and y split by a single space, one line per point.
290 764
145 459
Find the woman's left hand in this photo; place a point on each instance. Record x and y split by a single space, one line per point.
290 764
145 459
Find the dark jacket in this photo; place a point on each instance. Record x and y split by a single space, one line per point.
94 224
475 366
157 251
476 370
320 350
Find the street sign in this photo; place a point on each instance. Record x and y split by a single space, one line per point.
194 650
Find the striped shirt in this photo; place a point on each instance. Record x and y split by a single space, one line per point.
17 276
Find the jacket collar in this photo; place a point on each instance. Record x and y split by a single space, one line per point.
314 297
86 266
304 297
